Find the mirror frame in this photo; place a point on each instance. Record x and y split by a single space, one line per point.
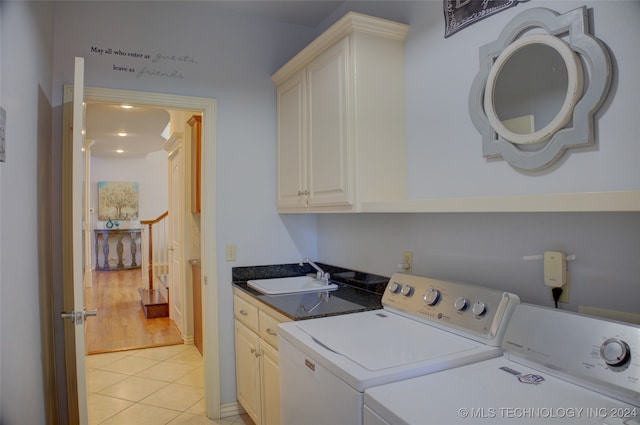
575 80
591 53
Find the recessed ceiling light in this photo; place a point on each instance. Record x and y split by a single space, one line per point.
119 150
126 106
122 134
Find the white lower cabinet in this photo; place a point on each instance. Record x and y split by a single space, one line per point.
257 369
270 387
247 371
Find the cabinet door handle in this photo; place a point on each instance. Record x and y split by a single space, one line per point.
244 313
272 333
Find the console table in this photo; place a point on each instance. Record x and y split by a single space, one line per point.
103 235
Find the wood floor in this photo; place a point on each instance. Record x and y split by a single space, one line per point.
120 323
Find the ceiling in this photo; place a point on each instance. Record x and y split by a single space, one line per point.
309 13
144 126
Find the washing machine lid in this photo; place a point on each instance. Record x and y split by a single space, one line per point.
381 340
495 390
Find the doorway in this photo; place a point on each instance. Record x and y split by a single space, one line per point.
207 107
131 150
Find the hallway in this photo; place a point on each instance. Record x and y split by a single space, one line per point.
154 386
120 323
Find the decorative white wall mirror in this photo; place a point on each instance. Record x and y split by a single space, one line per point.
538 87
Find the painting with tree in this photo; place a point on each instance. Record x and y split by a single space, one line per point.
117 200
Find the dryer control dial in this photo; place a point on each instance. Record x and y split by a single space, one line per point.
615 352
461 304
394 287
479 308
407 290
431 297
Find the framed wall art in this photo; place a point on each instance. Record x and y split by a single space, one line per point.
462 13
117 200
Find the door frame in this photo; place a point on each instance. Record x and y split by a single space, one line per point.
175 148
210 319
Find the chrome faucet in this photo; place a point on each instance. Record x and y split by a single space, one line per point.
320 274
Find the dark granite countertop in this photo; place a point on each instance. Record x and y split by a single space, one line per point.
356 291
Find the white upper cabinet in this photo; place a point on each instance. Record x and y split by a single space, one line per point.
341 119
291 149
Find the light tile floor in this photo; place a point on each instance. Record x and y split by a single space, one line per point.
155 386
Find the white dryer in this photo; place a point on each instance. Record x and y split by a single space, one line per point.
425 326
557 367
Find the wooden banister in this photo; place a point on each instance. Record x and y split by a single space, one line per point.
150 223
155 220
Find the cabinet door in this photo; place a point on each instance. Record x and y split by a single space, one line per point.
329 156
291 142
270 385
248 371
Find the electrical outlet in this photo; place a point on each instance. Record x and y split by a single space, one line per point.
407 258
231 252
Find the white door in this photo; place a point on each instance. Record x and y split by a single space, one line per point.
176 289
74 224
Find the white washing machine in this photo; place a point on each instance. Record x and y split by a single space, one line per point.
426 325
557 367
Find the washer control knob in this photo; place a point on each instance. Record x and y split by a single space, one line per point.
461 304
615 352
479 308
432 296
394 287
407 290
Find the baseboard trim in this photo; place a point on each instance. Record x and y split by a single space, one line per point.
230 409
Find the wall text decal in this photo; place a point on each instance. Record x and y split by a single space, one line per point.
159 65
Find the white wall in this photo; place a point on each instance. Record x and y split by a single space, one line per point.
1 262
1 104
26 33
235 56
150 173
445 160
488 249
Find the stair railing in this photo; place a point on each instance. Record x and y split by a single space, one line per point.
155 248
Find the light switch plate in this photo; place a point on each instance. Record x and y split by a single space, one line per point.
231 254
